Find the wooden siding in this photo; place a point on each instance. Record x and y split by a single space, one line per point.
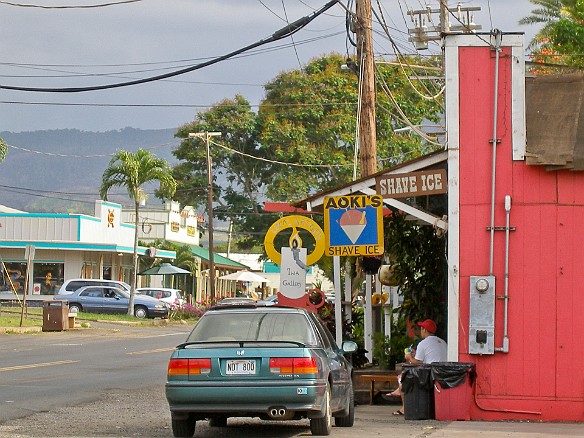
541 377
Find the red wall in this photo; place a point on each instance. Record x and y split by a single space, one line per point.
541 377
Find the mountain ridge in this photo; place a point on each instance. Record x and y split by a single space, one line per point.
60 170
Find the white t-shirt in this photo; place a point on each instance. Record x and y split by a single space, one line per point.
431 349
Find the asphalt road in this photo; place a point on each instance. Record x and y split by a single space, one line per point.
43 371
109 382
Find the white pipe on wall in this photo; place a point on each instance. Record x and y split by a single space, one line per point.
497 48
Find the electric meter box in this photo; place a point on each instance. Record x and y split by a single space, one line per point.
482 315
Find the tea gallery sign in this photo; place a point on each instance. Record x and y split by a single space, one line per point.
407 185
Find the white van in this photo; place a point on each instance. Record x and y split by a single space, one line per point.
70 286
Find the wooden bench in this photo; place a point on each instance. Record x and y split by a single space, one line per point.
381 378
71 317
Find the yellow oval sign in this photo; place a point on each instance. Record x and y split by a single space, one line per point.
302 222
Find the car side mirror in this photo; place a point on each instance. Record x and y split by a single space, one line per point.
350 347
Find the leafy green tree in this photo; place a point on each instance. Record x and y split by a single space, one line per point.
132 171
309 118
184 259
239 179
417 254
562 32
301 140
3 149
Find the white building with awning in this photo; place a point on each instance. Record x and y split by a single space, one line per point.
63 246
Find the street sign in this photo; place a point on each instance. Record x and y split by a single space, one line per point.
295 222
293 272
353 225
407 185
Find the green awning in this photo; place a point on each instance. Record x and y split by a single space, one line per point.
219 260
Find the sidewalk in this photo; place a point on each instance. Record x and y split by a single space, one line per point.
394 426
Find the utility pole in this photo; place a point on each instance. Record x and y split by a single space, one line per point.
229 238
367 128
461 17
444 19
207 135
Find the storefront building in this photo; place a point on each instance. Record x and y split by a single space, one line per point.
171 223
65 246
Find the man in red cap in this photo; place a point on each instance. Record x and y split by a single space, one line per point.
430 349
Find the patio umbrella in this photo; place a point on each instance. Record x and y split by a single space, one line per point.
245 276
164 269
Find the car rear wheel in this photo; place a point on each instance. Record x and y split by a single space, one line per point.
322 426
140 312
183 428
349 419
218 421
75 308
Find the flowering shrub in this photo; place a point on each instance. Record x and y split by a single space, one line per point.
189 311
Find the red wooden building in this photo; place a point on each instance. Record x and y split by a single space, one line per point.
529 367
514 228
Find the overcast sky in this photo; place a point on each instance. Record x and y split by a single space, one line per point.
66 47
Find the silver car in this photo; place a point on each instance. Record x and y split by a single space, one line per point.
173 297
108 299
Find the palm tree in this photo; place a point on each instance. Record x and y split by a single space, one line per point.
551 13
3 149
133 170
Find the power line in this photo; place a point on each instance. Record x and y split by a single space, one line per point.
101 5
173 105
291 37
262 51
279 162
286 31
53 154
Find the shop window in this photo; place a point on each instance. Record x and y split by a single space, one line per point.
88 269
13 276
107 273
47 278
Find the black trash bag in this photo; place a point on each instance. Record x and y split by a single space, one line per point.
452 374
416 376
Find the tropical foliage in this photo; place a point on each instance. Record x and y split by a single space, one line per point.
417 253
300 141
561 39
132 171
184 259
3 149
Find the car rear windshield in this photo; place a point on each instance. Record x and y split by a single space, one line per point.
235 326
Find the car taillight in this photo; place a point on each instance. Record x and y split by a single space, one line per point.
189 366
293 365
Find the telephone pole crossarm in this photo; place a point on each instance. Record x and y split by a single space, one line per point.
422 33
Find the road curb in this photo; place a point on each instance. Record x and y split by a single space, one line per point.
32 329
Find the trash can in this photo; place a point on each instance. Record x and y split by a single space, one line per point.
453 389
55 316
418 390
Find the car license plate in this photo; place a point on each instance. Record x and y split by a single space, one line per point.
240 367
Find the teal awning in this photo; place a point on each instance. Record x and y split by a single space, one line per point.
219 260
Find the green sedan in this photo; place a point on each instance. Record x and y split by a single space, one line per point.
275 363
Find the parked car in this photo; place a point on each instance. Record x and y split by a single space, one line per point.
173 297
275 363
108 299
271 300
70 286
236 300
